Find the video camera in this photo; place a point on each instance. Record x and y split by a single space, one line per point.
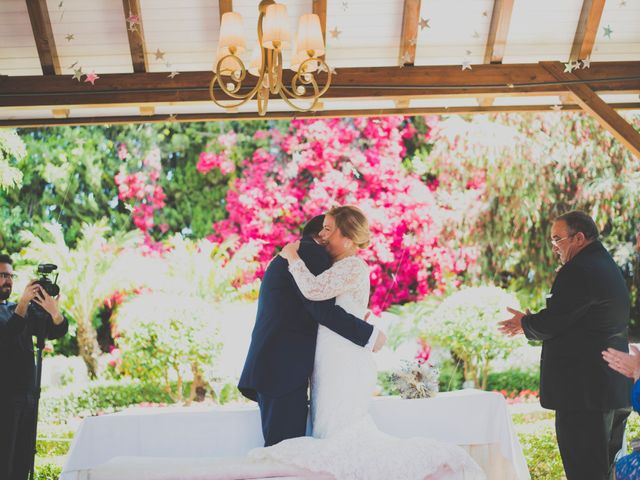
51 287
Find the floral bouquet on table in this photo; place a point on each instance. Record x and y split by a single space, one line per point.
417 378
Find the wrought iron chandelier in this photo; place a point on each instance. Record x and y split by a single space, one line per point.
307 83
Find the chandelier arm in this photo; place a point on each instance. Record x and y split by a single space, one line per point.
283 94
243 99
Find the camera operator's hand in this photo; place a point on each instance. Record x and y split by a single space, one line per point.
30 292
49 304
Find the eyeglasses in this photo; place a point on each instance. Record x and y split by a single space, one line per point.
556 241
7 276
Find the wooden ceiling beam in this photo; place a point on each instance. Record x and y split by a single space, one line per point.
497 38
498 31
320 9
43 35
135 32
587 29
210 117
225 6
592 103
362 82
409 35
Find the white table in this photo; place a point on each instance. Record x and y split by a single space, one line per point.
476 420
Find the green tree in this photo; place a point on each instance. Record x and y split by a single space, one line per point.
12 149
532 168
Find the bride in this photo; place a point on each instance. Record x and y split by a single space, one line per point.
345 442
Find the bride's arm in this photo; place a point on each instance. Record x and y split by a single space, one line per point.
329 284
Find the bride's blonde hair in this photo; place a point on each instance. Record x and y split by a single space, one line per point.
353 224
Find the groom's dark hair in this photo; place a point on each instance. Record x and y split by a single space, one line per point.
313 226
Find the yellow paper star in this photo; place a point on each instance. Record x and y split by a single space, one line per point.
335 33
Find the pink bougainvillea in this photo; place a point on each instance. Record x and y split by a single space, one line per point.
142 193
322 163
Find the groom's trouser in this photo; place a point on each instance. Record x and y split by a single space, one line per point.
589 440
283 417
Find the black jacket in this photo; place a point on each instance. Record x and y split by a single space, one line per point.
283 342
17 365
587 312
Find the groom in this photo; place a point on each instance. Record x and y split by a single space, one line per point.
280 358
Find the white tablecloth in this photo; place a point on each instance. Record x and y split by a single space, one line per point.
476 420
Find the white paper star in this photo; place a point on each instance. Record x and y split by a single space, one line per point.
69 36
466 65
556 108
569 67
468 52
77 74
413 42
173 74
476 35
586 63
345 6
159 54
424 23
607 31
335 33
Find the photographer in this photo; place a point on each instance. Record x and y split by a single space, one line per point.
18 394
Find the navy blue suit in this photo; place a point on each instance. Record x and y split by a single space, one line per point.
283 343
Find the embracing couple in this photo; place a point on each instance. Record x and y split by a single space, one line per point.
309 329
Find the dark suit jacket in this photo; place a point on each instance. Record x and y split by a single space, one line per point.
17 366
587 312
283 342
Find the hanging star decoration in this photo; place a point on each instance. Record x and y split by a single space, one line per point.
69 36
77 73
556 107
623 3
485 13
568 67
586 63
91 78
133 21
335 33
468 52
608 31
413 42
173 74
476 34
172 118
466 65
424 23
159 54
345 6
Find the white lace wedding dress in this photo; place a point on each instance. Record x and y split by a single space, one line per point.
346 443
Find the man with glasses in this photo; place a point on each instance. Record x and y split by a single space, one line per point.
17 369
587 312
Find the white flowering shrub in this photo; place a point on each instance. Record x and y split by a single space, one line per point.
466 322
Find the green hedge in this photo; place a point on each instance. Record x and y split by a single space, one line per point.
451 378
514 380
99 397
